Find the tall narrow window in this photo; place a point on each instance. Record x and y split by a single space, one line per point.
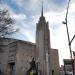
11 67
52 72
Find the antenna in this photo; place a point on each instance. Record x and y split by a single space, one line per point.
42 9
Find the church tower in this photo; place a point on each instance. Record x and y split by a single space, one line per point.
43 45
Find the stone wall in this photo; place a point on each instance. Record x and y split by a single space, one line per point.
4 53
25 53
54 62
18 52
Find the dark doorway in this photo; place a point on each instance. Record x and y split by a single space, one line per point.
11 66
52 72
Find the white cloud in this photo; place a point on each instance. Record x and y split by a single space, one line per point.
18 16
58 36
54 17
12 14
34 6
29 34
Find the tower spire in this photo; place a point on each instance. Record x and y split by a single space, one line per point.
42 9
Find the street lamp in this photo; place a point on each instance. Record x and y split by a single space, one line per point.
65 22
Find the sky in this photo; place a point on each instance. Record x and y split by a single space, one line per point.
26 13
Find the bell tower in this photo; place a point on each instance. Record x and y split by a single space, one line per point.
43 45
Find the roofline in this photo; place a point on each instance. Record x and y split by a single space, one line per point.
19 40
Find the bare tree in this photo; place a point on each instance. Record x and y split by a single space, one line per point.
6 24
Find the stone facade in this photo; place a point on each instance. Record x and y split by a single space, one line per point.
4 53
25 53
54 62
43 45
20 53
16 56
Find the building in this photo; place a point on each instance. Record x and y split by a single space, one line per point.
69 66
62 72
15 55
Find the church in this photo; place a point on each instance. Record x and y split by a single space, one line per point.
16 55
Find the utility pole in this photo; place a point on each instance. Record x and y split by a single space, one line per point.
69 36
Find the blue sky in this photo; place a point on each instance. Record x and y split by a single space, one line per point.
26 14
